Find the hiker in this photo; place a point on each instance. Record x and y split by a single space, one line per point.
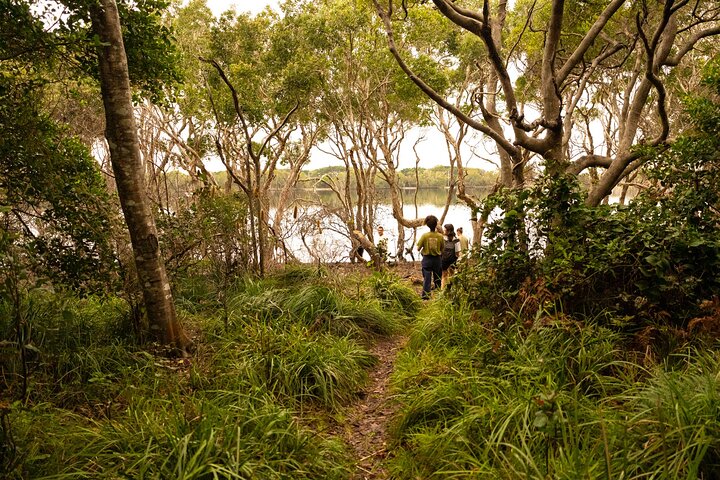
464 242
430 246
450 253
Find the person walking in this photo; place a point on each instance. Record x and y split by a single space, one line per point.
430 246
464 242
450 254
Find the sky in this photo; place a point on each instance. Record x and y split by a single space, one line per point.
252 6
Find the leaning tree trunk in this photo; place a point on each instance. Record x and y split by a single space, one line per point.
121 134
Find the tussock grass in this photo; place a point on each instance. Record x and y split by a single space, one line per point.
220 435
394 294
267 350
294 275
311 302
292 364
318 307
367 318
555 400
57 322
677 418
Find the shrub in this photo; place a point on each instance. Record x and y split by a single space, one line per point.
640 261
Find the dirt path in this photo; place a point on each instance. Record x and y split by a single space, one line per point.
365 430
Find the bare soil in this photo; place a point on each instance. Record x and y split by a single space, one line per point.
365 429
365 425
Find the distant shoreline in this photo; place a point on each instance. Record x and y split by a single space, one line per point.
327 189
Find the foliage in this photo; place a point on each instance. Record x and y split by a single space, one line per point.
319 307
106 408
291 362
395 295
55 203
686 175
152 55
223 433
53 197
656 259
70 46
206 244
548 251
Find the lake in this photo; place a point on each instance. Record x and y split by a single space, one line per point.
330 243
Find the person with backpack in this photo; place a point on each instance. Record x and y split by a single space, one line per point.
450 253
430 246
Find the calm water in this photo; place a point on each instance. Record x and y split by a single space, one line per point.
330 243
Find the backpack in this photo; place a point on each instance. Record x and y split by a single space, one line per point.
449 257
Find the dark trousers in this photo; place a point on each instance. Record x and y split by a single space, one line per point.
432 272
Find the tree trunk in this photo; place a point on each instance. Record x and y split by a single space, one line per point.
122 137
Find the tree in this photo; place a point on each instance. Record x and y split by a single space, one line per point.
53 204
371 108
549 63
261 82
121 134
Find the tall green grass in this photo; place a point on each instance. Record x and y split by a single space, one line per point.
222 434
292 363
268 352
318 307
676 419
394 294
557 400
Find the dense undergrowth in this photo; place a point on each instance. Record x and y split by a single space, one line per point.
558 399
96 405
577 343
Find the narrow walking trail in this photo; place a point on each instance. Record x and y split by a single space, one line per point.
365 429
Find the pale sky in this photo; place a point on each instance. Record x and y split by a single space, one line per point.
252 6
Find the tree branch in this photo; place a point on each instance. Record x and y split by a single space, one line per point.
437 98
236 103
588 40
690 44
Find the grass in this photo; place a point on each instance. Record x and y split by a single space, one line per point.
268 351
557 399
394 295
318 307
292 364
222 434
477 398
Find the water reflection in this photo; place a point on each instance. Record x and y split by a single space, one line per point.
329 241
425 196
